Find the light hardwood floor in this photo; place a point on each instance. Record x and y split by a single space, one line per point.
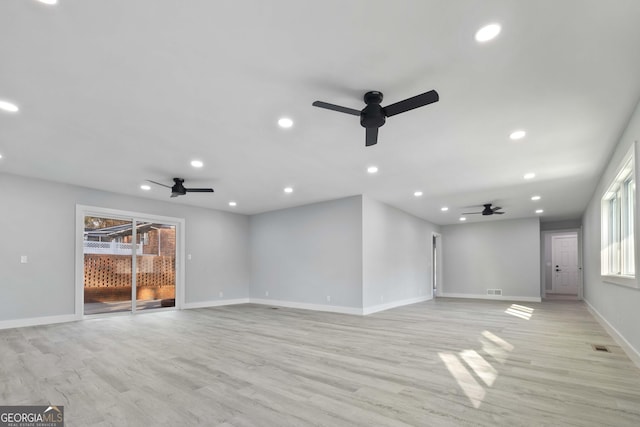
444 362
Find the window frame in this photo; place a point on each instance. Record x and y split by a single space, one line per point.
619 257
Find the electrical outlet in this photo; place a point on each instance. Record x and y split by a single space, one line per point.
266 294
381 298
23 259
328 298
221 294
189 257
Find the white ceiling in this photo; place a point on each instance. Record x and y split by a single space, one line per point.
114 92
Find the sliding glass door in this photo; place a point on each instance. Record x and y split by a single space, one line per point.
113 249
156 266
107 253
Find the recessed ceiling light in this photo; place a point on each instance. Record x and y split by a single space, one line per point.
539 211
0 156
285 122
535 198
444 209
518 134
463 218
418 193
197 163
488 32
233 204
529 175
9 107
372 169
49 2
288 190
145 187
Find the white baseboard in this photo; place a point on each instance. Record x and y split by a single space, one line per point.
633 354
35 321
492 297
307 306
216 303
381 307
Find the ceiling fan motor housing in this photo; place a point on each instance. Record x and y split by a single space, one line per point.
178 188
488 210
373 115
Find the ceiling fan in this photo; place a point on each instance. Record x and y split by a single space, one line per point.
488 210
178 188
374 115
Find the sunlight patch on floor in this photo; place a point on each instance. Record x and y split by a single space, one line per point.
480 366
520 311
497 340
469 366
474 390
494 350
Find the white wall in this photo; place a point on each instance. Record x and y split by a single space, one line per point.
299 255
570 224
617 305
37 219
396 255
219 246
307 253
492 255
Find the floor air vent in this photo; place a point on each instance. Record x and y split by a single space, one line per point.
598 347
494 291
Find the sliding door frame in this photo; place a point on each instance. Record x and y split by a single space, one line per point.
84 210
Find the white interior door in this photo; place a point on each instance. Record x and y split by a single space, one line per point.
564 259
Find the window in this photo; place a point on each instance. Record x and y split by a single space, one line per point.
618 225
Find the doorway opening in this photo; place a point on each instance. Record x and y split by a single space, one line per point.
128 262
436 265
562 268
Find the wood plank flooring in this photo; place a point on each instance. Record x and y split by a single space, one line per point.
446 362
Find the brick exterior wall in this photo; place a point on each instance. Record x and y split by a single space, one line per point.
107 278
162 240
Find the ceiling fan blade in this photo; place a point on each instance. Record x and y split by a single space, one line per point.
411 103
159 183
471 213
199 190
499 213
336 108
175 194
497 208
372 137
